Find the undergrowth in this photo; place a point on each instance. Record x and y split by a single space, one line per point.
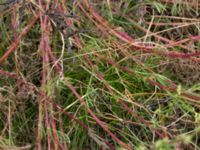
103 75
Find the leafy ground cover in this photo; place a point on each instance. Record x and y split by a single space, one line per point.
90 74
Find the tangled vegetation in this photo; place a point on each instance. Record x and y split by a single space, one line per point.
99 74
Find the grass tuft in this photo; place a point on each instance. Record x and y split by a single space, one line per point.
99 74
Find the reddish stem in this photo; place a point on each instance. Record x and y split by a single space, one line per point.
17 42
